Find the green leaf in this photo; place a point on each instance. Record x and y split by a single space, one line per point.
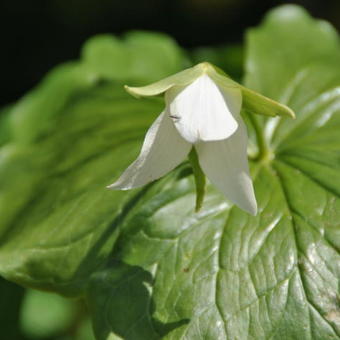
54 191
45 315
138 57
221 273
287 41
217 273
33 117
50 316
69 138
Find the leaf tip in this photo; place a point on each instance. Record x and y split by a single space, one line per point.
131 90
289 112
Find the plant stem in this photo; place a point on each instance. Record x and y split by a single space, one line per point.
199 179
263 152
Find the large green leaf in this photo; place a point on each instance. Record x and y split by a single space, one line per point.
287 41
150 266
58 219
140 57
222 274
67 140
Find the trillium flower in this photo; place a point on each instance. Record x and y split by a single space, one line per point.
202 111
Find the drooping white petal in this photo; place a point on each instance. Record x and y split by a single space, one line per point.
201 112
226 165
163 149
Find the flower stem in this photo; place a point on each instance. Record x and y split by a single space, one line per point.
263 152
199 179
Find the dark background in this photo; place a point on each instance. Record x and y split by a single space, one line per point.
38 34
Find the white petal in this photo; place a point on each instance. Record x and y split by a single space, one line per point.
226 165
201 112
163 149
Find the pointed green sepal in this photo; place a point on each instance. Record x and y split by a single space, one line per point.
182 78
254 102
199 179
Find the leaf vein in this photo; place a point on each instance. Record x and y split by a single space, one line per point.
293 224
313 179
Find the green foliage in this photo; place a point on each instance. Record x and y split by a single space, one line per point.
45 314
149 266
49 316
287 41
144 57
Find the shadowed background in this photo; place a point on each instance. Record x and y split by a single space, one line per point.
41 34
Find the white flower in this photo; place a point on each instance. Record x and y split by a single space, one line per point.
202 111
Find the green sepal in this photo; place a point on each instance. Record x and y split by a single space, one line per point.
253 102
182 78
